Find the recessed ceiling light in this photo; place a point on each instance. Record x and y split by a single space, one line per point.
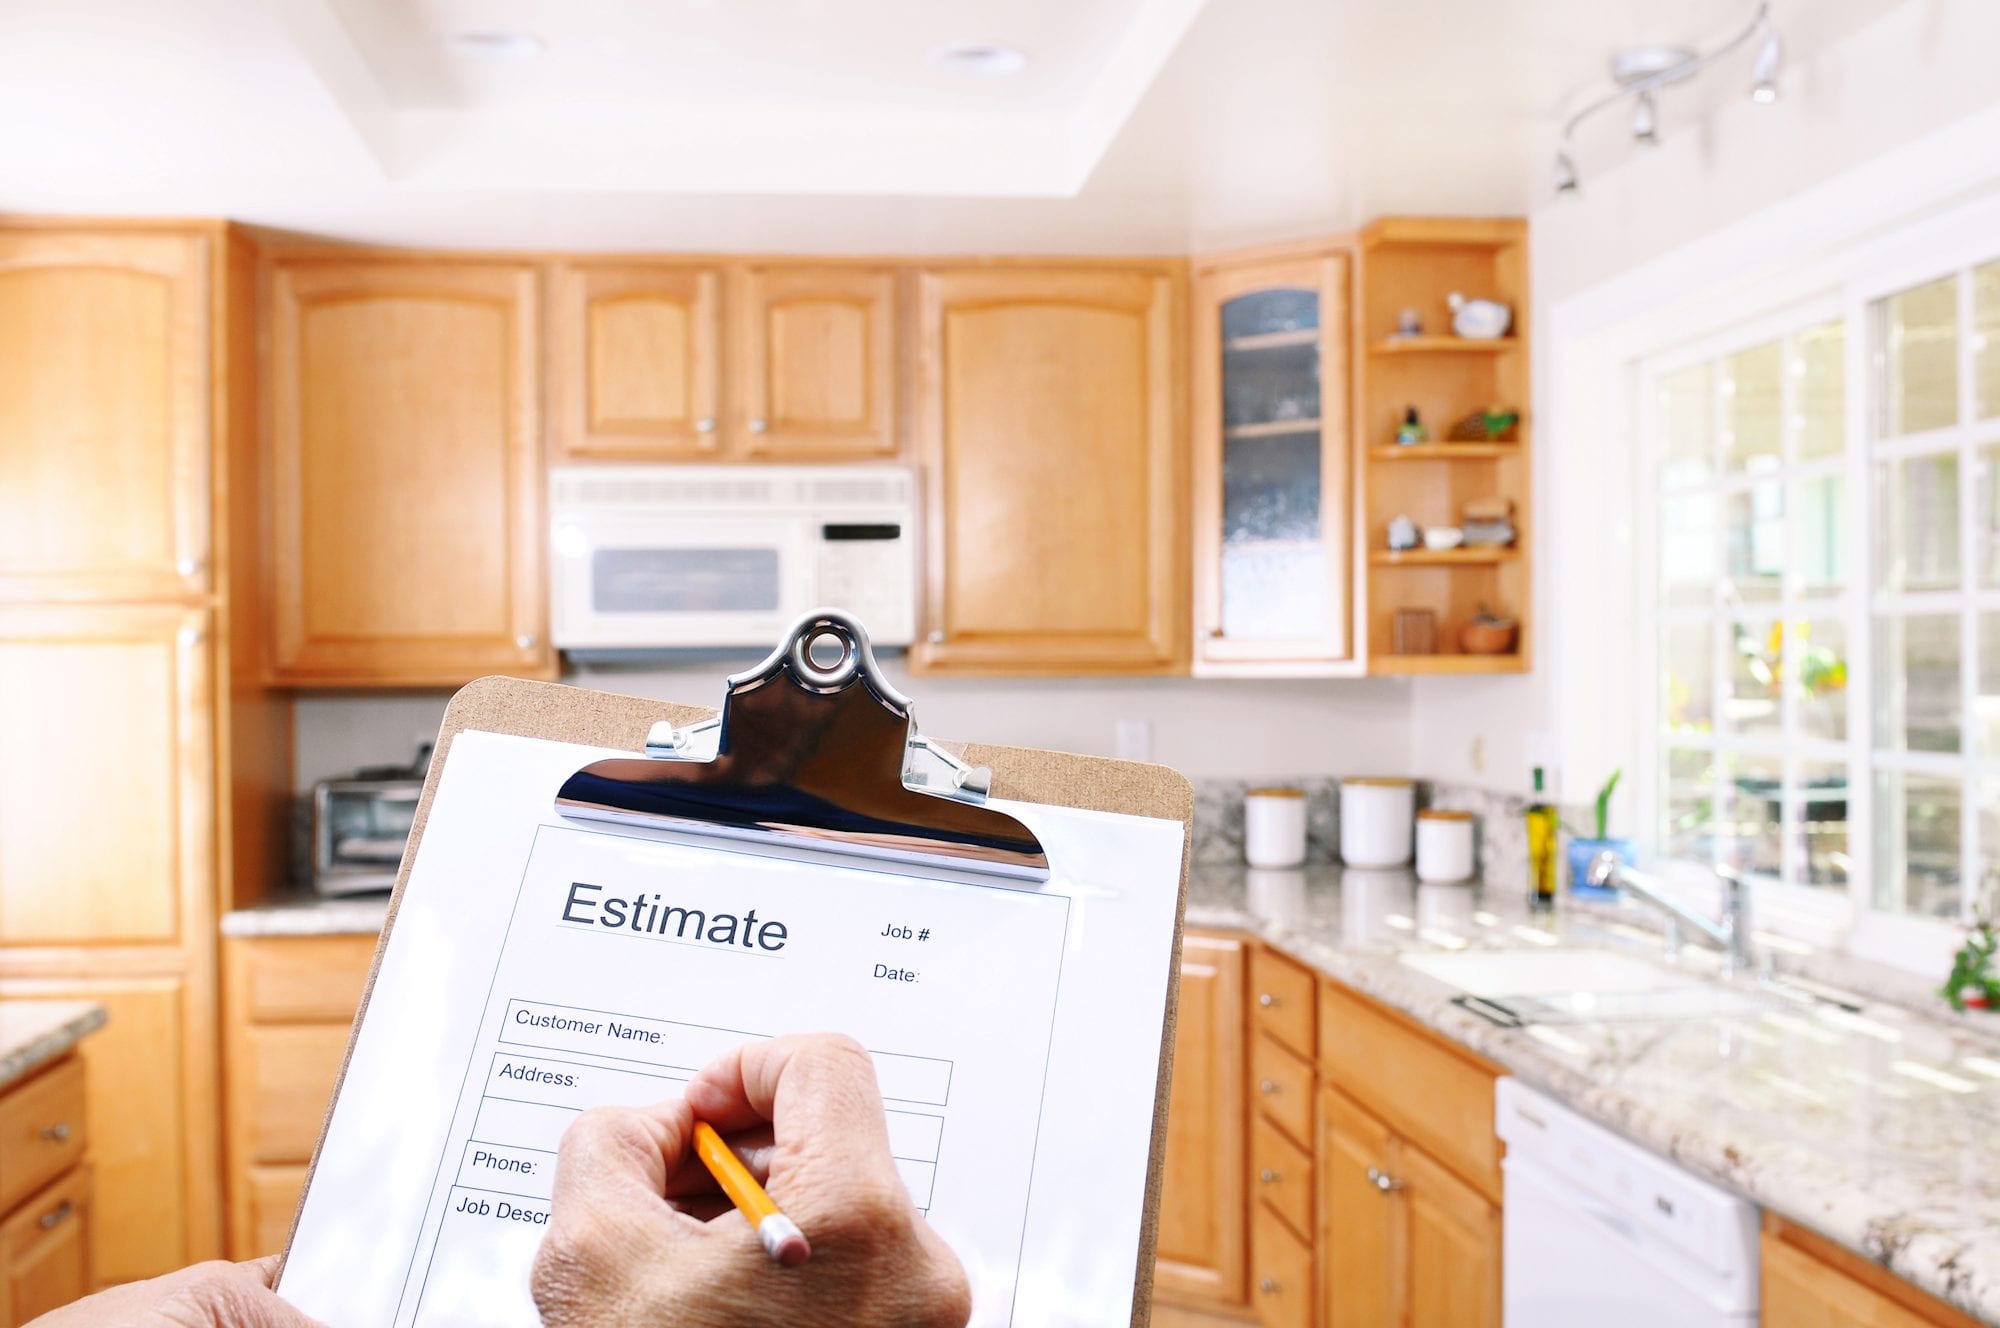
487 44
984 59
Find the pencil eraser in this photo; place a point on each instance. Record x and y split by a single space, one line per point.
783 1240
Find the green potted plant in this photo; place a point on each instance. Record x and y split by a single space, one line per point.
1972 984
1582 849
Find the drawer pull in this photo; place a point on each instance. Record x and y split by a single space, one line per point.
56 1216
1267 1000
57 1133
1268 1087
1268 1176
1383 1181
1269 1286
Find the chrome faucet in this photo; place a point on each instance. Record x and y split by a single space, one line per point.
1730 934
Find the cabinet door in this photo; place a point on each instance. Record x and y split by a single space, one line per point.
1202 1202
103 416
634 368
818 363
1054 471
1453 1275
1273 468
1799 1290
45 1251
407 473
1360 1243
106 713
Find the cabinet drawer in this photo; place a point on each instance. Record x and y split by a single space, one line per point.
1280 1273
1437 1098
1281 1175
303 979
1281 1000
41 1129
271 1199
287 1085
1283 1085
45 1251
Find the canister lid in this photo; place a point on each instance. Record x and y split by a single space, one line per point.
1377 781
1275 793
1439 814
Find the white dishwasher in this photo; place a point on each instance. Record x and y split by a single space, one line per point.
1600 1231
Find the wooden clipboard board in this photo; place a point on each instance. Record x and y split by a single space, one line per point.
558 713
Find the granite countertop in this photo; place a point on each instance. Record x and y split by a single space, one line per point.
33 1033
1873 1126
303 913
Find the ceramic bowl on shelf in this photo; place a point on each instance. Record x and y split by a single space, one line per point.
1479 320
1440 538
1488 636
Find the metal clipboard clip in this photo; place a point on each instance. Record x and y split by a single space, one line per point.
812 755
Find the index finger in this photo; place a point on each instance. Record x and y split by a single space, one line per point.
818 1091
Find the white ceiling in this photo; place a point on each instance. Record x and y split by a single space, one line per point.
1138 125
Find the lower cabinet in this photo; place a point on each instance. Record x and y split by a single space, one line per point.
1808 1282
288 1003
1201 1254
45 1192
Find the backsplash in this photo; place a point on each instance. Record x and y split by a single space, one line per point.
1501 835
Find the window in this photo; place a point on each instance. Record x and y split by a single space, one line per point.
1827 598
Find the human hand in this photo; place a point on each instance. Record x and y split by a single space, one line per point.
639 1235
207 1295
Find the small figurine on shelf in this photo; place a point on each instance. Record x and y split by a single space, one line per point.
1404 535
1409 323
1412 430
1495 424
1479 320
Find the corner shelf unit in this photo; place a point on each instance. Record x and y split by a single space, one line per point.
1414 263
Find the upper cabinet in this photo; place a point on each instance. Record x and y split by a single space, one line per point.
635 373
104 415
407 541
1272 467
673 361
1055 470
816 363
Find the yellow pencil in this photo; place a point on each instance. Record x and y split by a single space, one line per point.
781 1236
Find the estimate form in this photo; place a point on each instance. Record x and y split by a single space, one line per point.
538 966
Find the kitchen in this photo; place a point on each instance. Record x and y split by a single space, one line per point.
349 353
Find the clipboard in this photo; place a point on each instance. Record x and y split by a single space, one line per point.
908 798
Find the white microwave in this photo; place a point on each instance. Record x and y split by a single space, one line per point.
671 557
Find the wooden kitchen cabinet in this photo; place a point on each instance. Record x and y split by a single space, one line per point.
104 426
1357 1235
1273 467
635 368
1201 1250
288 1006
406 474
1055 467
816 364
1809 1282
45 1250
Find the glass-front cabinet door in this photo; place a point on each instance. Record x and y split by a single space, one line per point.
1272 467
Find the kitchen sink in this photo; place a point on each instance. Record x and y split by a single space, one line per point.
1518 987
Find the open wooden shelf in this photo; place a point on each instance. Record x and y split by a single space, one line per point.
1446 451
1305 336
1442 346
1460 557
1271 429
1447 664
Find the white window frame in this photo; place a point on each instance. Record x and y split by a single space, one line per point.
1906 256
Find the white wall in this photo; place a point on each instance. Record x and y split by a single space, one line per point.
1206 729
1666 234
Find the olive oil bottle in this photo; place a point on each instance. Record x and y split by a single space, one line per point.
1543 832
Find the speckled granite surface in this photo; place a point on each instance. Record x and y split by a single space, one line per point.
1879 1129
33 1033
308 914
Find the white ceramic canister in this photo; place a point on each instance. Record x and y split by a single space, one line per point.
1444 845
1274 827
1377 818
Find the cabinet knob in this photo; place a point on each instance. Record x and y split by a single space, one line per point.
1269 1286
758 426
706 424
57 1133
1267 1087
527 641
1383 1181
56 1216
1267 1000
936 637
1216 633
1268 1176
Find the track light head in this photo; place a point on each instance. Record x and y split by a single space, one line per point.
1645 119
1764 73
1566 182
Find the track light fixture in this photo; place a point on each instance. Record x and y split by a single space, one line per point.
1643 71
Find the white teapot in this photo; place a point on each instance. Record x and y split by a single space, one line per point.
1479 320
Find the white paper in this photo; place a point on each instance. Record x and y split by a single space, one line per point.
538 966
